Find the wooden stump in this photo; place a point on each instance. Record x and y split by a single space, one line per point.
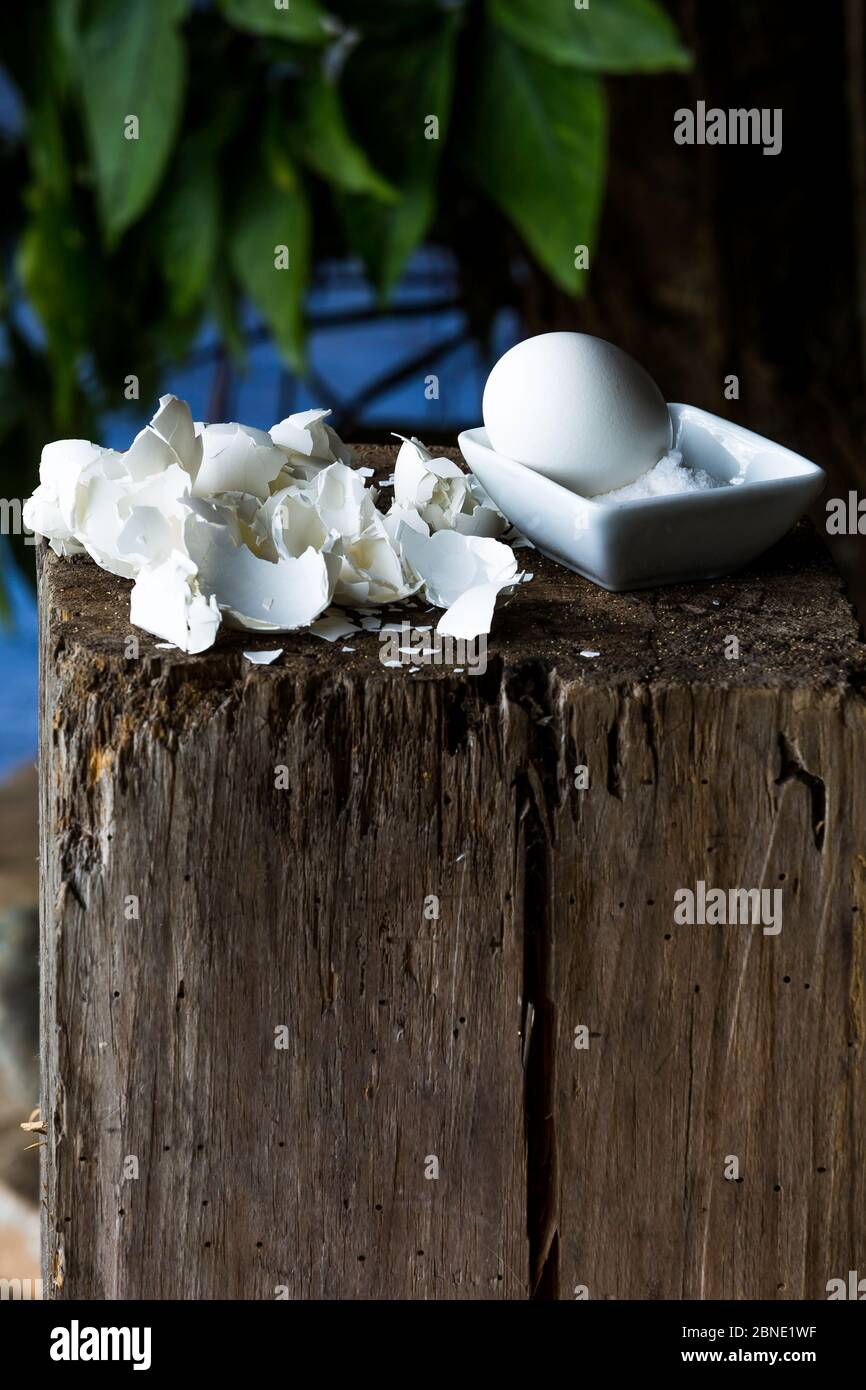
288 1076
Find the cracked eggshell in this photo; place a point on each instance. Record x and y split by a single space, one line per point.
147 537
101 527
450 563
372 568
306 436
342 501
441 494
218 523
167 601
173 422
471 615
54 509
255 593
237 458
304 433
264 658
42 514
435 487
577 409
151 517
287 525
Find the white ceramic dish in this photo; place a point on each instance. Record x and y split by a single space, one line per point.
659 540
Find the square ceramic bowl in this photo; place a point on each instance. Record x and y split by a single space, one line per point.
659 540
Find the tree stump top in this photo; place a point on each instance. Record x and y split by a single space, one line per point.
322 943
789 611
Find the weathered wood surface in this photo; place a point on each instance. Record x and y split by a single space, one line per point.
304 1169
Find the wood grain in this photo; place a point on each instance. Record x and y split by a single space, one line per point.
300 1171
710 1041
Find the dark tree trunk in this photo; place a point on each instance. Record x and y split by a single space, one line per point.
715 260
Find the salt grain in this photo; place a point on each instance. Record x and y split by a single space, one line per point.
671 475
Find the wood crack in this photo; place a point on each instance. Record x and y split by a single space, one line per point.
537 800
794 769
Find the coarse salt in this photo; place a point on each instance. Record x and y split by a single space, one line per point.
671 475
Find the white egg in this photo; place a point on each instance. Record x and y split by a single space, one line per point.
578 410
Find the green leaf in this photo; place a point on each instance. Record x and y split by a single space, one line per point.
303 21
48 158
536 146
188 226
385 240
66 20
272 226
608 36
392 89
223 305
321 138
56 268
44 90
131 63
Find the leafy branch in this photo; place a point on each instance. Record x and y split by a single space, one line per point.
178 157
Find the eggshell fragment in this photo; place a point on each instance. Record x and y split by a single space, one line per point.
262 531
